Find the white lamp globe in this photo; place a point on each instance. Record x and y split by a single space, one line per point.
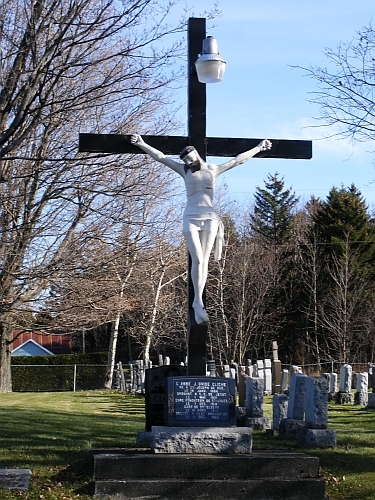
210 65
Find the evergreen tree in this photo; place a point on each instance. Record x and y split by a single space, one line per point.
273 217
344 220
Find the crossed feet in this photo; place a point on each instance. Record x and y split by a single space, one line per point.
200 313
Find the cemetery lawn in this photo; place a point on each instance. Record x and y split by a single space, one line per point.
53 434
349 470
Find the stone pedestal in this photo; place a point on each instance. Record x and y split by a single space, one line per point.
258 423
344 398
289 426
207 440
272 475
316 438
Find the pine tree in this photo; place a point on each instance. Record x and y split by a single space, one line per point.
273 217
344 220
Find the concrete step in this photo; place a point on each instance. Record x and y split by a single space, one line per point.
225 489
145 465
262 475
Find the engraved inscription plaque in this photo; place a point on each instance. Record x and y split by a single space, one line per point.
201 401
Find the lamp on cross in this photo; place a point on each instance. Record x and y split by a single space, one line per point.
209 67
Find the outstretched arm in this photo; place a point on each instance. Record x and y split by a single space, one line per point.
157 155
243 157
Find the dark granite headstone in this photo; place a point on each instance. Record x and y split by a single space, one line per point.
201 401
155 387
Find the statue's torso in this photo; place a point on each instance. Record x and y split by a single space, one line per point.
200 187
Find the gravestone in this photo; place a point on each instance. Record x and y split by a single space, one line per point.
333 383
284 381
316 434
260 369
254 404
155 390
212 368
296 406
279 409
201 402
242 386
344 395
267 376
249 368
346 378
15 479
276 369
361 395
316 407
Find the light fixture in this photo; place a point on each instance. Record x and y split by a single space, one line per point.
210 65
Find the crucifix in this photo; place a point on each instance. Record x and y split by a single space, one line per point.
205 146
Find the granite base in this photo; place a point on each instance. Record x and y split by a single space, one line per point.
207 440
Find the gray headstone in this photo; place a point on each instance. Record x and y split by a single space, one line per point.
260 367
284 380
345 378
316 405
333 383
280 409
267 376
371 400
249 368
254 397
362 382
15 479
212 368
361 396
296 406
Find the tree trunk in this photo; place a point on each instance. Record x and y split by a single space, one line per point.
6 331
112 352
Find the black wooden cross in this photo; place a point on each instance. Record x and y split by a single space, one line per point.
206 146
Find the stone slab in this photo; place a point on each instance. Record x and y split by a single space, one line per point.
15 479
207 489
288 427
258 423
143 439
344 398
142 464
316 438
208 440
371 400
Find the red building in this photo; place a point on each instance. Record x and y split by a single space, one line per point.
57 343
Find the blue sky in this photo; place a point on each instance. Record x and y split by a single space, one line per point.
262 96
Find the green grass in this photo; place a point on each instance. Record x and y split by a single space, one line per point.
349 469
53 434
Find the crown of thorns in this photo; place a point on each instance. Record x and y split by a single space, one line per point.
186 151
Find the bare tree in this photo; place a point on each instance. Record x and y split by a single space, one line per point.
242 288
346 88
64 67
341 310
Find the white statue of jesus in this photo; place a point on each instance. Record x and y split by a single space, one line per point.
200 220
